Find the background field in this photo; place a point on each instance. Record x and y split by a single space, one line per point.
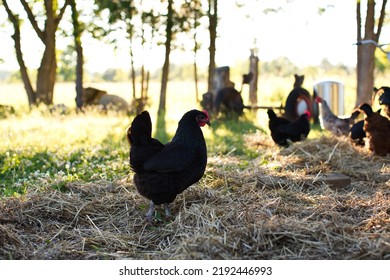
67 190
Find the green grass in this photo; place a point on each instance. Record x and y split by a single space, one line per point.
40 150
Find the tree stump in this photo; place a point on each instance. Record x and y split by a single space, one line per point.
222 79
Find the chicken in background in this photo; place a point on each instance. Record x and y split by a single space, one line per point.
336 125
384 98
283 130
357 133
377 128
164 171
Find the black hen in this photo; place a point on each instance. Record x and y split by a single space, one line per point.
275 121
357 133
164 171
283 130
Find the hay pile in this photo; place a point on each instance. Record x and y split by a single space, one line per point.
266 208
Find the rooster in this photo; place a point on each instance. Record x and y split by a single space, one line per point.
336 125
283 130
164 171
377 128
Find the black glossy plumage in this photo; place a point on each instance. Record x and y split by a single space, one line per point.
275 121
283 130
164 171
384 97
357 133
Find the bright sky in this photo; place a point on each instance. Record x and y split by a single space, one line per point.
296 31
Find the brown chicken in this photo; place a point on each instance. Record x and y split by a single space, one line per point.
377 128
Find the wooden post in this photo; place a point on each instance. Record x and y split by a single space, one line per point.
221 79
254 69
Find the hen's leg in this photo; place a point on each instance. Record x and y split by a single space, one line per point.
167 211
150 213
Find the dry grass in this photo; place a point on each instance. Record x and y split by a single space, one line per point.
266 208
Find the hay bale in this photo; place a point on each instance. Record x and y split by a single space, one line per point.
94 96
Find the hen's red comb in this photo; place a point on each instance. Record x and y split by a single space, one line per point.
307 112
318 99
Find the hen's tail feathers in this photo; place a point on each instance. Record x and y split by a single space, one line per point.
140 131
355 114
366 109
271 114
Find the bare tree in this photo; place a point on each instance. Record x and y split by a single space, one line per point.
366 52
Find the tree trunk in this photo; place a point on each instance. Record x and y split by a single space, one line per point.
196 79
47 70
365 73
254 69
79 75
31 95
77 31
47 73
213 21
165 70
366 52
196 48
143 74
133 80
147 84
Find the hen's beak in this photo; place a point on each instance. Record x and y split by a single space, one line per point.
208 123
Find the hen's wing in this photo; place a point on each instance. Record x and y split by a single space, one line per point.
296 129
173 157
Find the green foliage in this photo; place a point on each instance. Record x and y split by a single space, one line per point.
381 61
